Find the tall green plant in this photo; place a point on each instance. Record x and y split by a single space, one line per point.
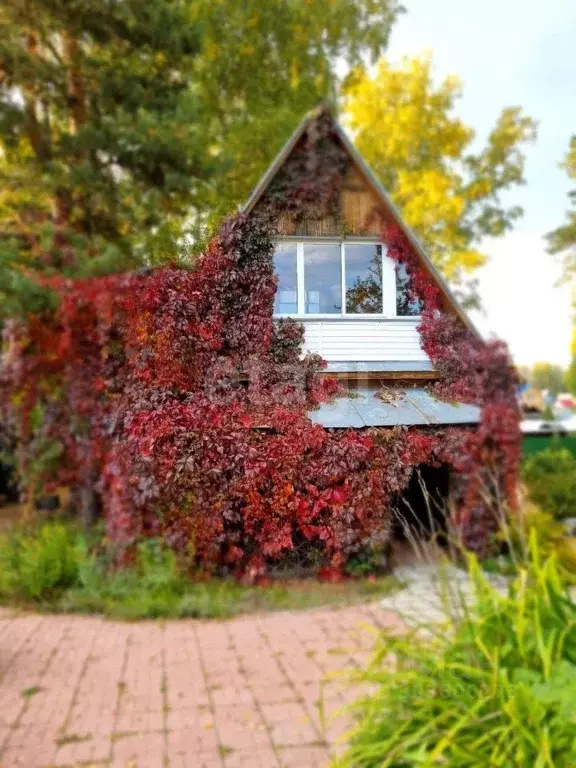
494 687
35 565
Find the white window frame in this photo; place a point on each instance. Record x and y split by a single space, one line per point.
388 281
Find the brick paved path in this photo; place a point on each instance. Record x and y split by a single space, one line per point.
237 694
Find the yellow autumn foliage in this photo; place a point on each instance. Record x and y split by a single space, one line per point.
405 126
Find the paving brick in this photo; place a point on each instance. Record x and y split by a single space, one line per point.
139 722
23 679
84 748
195 759
194 738
223 695
29 747
241 727
139 751
205 694
273 694
5 731
289 724
17 634
185 677
261 758
304 757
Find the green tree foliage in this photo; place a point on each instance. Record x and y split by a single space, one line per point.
547 376
550 477
570 379
404 125
102 147
285 57
122 125
563 239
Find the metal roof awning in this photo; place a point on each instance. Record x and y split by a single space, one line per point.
401 406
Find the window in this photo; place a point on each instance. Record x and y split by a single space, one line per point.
285 265
323 279
347 279
363 268
406 303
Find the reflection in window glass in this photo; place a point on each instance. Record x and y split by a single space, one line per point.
285 266
406 302
322 279
363 267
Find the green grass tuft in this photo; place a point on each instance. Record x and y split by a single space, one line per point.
27 693
494 687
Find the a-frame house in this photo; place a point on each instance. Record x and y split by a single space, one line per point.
335 276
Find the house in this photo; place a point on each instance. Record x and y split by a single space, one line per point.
197 393
335 276
385 322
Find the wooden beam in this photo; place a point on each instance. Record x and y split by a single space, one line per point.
383 375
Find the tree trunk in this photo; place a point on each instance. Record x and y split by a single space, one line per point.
76 90
37 137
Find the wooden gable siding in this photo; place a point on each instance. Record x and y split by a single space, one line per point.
364 210
360 214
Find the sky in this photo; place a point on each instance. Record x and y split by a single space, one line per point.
512 53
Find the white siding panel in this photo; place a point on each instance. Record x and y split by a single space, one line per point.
364 340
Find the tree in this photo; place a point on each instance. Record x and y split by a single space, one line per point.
102 149
563 239
547 376
122 123
286 57
570 379
404 125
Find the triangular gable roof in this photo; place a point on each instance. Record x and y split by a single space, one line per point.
376 187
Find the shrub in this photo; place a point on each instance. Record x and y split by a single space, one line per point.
549 531
58 569
551 480
34 565
495 687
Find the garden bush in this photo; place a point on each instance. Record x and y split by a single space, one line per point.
56 568
35 564
550 532
550 477
494 687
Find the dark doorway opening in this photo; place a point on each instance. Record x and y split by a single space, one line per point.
420 512
8 484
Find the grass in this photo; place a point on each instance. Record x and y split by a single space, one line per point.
220 599
27 693
52 568
73 738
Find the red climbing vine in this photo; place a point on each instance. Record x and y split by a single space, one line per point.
470 371
170 399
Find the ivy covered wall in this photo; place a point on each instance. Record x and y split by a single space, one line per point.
171 403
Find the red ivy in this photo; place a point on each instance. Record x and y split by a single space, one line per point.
177 396
470 371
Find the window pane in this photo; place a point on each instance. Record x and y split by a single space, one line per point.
363 265
322 279
406 302
286 301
